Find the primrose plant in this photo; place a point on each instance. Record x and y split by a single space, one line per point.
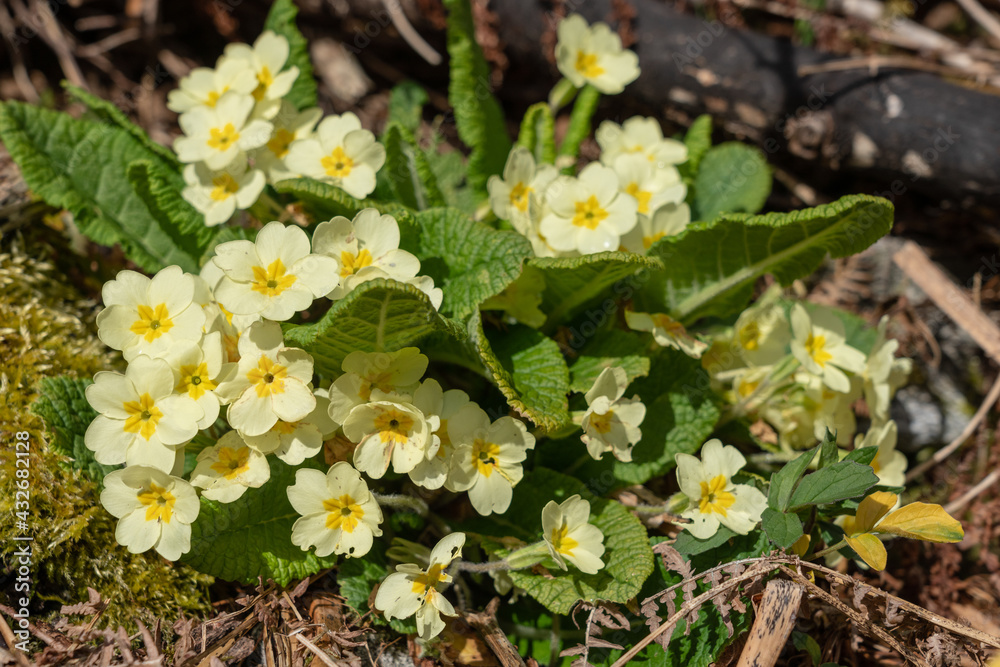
342 350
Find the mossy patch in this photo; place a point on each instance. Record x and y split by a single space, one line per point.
47 329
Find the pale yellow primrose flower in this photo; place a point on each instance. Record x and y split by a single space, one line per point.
818 344
390 429
204 86
341 153
270 383
148 316
518 195
274 276
218 193
289 125
217 135
594 55
713 499
396 372
669 219
433 471
639 136
569 535
413 590
587 214
141 420
650 187
888 464
487 457
339 513
761 334
154 510
228 468
265 59
611 423
919 521
667 332
362 246
884 373
294 442
198 369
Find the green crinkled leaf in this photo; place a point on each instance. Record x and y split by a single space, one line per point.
326 201
579 122
698 141
63 405
406 104
357 577
846 479
628 559
538 133
378 316
468 260
783 482
782 529
281 19
680 415
449 170
183 223
410 176
252 537
110 113
572 282
81 165
732 178
529 370
710 268
478 115
864 455
612 347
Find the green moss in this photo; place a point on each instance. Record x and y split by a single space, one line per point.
47 329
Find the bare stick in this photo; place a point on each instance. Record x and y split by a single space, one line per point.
775 619
985 483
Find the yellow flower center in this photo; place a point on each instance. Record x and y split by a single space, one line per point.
280 142
143 416
586 64
602 423
159 503
337 164
816 347
344 513
273 280
484 456
394 427
214 96
561 542
425 584
749 335
223 139
264 81
152 322
195 380
351 263
714 497
225 187
232 462
745 388
589 213
641 196
520 195
648 241
268 378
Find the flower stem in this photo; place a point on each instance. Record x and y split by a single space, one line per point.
488 566
836 547
401 502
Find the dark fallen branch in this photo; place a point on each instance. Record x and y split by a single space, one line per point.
902 129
